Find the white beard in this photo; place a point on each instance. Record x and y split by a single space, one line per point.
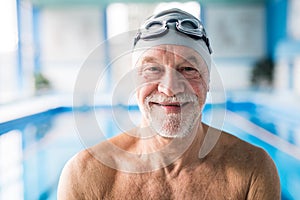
173 125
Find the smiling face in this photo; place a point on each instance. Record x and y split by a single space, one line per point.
173 83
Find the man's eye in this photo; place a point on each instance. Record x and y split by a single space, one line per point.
151 72
152 69
189 72
188 69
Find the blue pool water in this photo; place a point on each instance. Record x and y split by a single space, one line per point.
35 148
284 125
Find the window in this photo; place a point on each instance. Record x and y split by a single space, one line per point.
293 19
8 47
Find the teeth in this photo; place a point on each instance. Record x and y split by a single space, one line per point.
170 104
173 104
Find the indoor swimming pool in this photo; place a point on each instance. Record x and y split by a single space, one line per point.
34 148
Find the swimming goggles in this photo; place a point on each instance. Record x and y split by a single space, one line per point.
191 27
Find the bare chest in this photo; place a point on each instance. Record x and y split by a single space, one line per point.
184 186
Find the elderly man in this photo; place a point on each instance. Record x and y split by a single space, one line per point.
169 156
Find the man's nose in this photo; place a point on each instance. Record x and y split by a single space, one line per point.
171 83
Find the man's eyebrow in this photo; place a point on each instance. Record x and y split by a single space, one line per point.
193 59
149 59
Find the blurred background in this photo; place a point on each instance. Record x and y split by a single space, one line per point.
44 43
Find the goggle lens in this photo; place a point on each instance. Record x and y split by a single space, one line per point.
189 27
188 24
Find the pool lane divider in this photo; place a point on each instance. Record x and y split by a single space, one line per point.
22 121
263 134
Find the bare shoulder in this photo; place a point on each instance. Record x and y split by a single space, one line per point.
244 152
256 164
84 176
70 176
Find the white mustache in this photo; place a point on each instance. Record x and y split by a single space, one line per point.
180 98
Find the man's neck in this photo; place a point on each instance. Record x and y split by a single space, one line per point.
133 152
171 153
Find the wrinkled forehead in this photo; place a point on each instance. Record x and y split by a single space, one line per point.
174 53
